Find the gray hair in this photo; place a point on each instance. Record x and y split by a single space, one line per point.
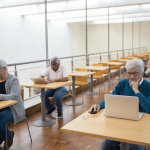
3 64
138 63
56 59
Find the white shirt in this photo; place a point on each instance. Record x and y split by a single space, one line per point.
141 81
60 73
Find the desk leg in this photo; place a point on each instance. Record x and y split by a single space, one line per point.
73 102
91 88
119 77
124 146
44 121
109 83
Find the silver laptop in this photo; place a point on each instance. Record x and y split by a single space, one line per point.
119 106
39 80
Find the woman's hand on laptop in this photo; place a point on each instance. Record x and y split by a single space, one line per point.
95 107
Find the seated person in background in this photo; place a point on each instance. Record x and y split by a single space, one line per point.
55 73
147 70
9 90
135 85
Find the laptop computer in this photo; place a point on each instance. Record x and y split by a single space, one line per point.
125 107
39 80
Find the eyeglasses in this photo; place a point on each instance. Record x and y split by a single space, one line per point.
133 73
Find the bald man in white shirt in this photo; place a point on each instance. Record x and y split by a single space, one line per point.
55 73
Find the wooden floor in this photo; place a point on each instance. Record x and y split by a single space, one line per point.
51 138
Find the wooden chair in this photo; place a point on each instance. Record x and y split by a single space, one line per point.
81 80
103 64
22 95
123 58
98 75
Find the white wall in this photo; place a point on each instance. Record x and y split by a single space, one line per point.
66 39
23 38
98 37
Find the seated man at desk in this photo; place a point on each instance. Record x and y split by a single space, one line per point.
134 85
55 73
9 90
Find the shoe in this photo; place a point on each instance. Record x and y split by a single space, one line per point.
1 148
59 115
50 111
9 141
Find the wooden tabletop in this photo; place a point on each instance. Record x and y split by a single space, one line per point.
124 60
95 67
54 85
6 103
81 73
97 125
131 57
113 63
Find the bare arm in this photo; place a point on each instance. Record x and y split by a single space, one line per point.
61 79
41 76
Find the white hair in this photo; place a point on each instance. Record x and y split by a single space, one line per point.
138 63
3 64
56 59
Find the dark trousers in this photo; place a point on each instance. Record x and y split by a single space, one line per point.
57 95
5 117
114 145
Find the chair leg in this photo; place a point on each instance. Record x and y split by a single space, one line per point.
6 138
99 85
28 129
82 93
103 84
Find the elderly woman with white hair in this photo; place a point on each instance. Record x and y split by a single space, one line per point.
9 90
134 85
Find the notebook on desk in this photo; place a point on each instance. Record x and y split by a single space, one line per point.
39 80
125 107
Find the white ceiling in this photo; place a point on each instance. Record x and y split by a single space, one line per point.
74 10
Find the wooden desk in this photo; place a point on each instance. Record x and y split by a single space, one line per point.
114 63
74 74
131 58
44 121
6 103
123 60
95 68
125 131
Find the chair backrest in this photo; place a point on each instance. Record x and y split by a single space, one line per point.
69 92
22 94
96 64
103 64
115 67
123 58
79 80
99 73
